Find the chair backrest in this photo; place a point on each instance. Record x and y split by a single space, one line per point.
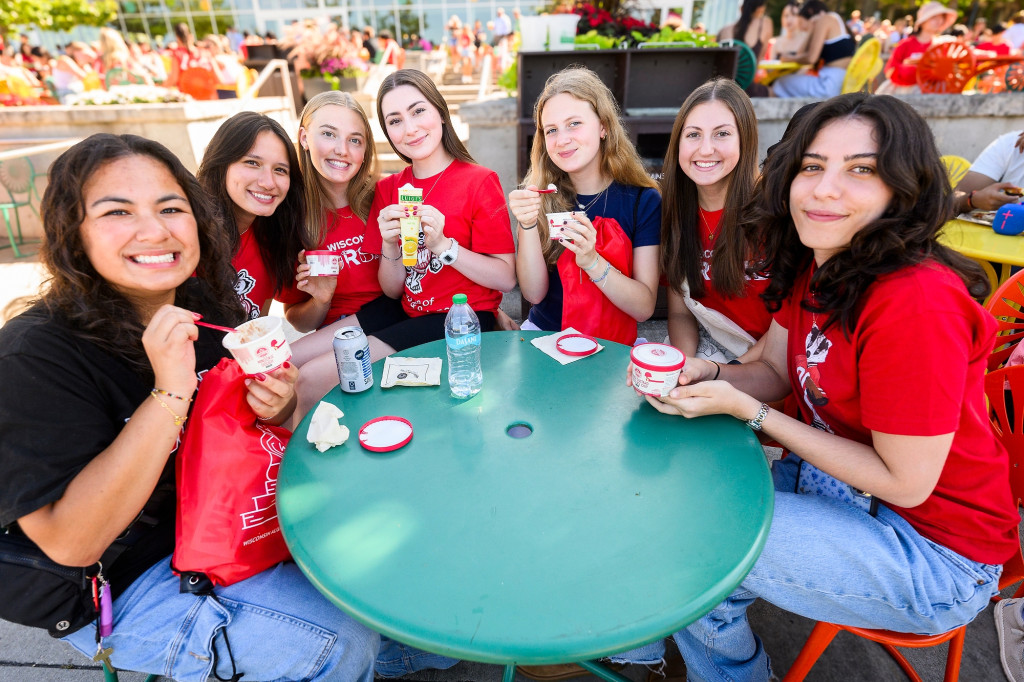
864 66
746 62
1004 389
956 168
1007 305
17 176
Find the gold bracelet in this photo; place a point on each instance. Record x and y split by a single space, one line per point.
178 421
171 395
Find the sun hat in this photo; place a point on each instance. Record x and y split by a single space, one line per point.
932 9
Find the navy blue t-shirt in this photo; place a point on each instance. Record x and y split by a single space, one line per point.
618 203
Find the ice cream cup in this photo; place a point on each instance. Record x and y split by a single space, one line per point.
259 345
323 263
656 368
556 221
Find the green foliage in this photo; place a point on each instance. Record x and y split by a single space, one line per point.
56 15
509 80
666 35
595 38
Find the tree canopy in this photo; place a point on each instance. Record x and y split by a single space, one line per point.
55 15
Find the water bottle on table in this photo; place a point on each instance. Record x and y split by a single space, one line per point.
462 336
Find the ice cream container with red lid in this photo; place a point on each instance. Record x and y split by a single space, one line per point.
323 263
656 368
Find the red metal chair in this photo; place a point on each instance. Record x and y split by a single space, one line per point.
946 67
1010 429
1007 304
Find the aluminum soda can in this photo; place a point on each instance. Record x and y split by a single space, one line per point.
352 353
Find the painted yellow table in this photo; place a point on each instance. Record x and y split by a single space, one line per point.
981 243
774 69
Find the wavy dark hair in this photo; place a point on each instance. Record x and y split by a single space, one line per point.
905 234
680 235
421 81
280 236
747 10
96 311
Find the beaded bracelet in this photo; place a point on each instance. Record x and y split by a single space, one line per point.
597 259
179 421
171 395
604 275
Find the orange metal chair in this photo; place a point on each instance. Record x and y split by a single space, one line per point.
1010 429
1007 304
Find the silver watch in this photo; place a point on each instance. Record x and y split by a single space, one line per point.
451 255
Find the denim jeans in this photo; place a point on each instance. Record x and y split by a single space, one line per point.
278 625
396 659
830 561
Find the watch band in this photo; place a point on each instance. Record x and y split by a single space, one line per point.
451 255
758 420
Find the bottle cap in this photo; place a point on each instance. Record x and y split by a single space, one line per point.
459 298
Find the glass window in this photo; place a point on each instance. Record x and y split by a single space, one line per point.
434 25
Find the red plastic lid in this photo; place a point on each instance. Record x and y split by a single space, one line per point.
658 357
385 434
576 345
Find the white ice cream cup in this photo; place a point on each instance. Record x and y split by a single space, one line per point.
556 221
656 368
259 345
323 263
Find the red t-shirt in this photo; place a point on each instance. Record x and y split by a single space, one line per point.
357 280
475 215
905 74
1002 49
914 365
748 311
254 285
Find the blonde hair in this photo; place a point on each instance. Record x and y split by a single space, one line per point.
360 187
113 49
618 158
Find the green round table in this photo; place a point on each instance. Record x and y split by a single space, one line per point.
611 526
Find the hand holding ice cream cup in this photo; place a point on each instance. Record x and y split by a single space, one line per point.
259 345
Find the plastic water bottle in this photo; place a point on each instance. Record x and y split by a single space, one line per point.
462 336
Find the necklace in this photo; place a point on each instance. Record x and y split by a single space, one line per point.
438 179
594 200
704 221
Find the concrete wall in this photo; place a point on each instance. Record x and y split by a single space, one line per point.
962 125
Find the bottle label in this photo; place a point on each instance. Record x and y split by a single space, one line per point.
463 341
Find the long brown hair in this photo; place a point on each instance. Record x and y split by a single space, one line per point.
681 248
618 157
421 81
95 310
360 187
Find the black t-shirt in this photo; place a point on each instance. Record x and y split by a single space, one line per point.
63 401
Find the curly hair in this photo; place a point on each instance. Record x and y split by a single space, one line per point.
280 236
681 247
360 187
421 81
97 311
905 234
618 157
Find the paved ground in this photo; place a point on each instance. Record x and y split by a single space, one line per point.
32 656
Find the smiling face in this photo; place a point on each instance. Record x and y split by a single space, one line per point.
140 236
336 140
258 182
838 190
572 137
709 149
414 127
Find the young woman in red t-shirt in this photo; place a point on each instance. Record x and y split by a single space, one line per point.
709 173
876 330
251 168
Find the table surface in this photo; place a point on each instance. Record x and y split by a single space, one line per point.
612 525
979 241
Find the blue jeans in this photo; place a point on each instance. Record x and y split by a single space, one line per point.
396 659
829 561
278 625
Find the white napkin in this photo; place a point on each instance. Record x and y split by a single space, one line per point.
547 345
324 429
399 371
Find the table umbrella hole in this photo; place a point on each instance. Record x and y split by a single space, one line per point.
519 430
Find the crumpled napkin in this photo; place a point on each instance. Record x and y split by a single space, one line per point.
546 344
325 431
401 371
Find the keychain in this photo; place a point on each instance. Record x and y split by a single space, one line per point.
103 604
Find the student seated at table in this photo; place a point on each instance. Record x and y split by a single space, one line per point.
709 173
466 240
251 168
110 359
876 330
933 19
998 168
601 276
828 51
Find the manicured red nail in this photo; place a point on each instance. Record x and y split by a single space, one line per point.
197 316
260 377
287 365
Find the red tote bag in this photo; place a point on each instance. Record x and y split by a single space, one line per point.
226 470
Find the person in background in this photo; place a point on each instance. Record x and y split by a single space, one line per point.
997 42
600 276
907 499
996 176
754 28
119 67
1015 32
73 69
829 49
791 40
933 19
854 24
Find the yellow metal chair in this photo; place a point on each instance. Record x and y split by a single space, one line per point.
956 167
865 64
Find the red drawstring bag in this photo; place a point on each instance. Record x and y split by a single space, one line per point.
585 308
226 471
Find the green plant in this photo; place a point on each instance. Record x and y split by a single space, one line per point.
509 79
